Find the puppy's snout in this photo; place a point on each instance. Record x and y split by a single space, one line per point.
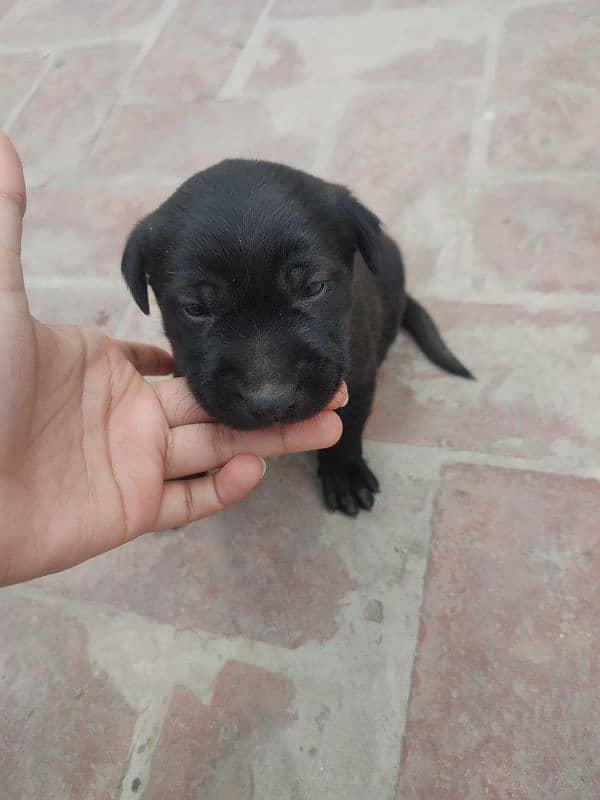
270 402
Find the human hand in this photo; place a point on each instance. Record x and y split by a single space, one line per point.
92 454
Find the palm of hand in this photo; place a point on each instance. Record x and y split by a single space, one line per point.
92 451
97 431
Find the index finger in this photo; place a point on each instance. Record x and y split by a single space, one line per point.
340 398
146 358
12 209
178 403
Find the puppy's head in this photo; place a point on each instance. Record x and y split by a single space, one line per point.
251 265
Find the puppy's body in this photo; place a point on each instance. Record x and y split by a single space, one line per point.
274 286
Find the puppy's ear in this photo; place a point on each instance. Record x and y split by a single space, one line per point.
364 228
133 266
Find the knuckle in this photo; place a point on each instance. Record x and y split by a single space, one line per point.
14 198
223 443
284 443
169 453
220 504
189 502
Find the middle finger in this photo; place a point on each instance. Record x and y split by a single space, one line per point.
198 448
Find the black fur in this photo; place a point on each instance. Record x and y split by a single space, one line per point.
274 286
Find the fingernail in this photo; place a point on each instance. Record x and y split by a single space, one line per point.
264 467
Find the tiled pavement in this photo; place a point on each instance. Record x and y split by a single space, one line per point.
447 645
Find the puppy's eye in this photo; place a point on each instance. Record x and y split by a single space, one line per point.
194 310
313 289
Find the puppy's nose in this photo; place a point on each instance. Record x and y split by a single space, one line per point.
270 402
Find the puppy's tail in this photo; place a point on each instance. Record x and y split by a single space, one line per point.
425 333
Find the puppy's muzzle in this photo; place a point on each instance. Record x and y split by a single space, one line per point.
269 403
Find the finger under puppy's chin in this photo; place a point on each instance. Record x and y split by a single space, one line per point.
340 398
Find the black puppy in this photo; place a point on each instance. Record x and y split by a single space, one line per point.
274 286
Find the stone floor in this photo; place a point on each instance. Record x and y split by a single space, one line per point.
447 645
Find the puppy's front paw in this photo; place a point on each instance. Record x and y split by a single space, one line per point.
348 486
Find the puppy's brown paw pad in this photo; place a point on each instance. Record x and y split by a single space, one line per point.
349 486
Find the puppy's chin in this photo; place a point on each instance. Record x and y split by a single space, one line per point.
246 423
236 416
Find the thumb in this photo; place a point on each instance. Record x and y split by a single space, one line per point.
12 209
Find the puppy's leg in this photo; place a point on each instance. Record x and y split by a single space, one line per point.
348 483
